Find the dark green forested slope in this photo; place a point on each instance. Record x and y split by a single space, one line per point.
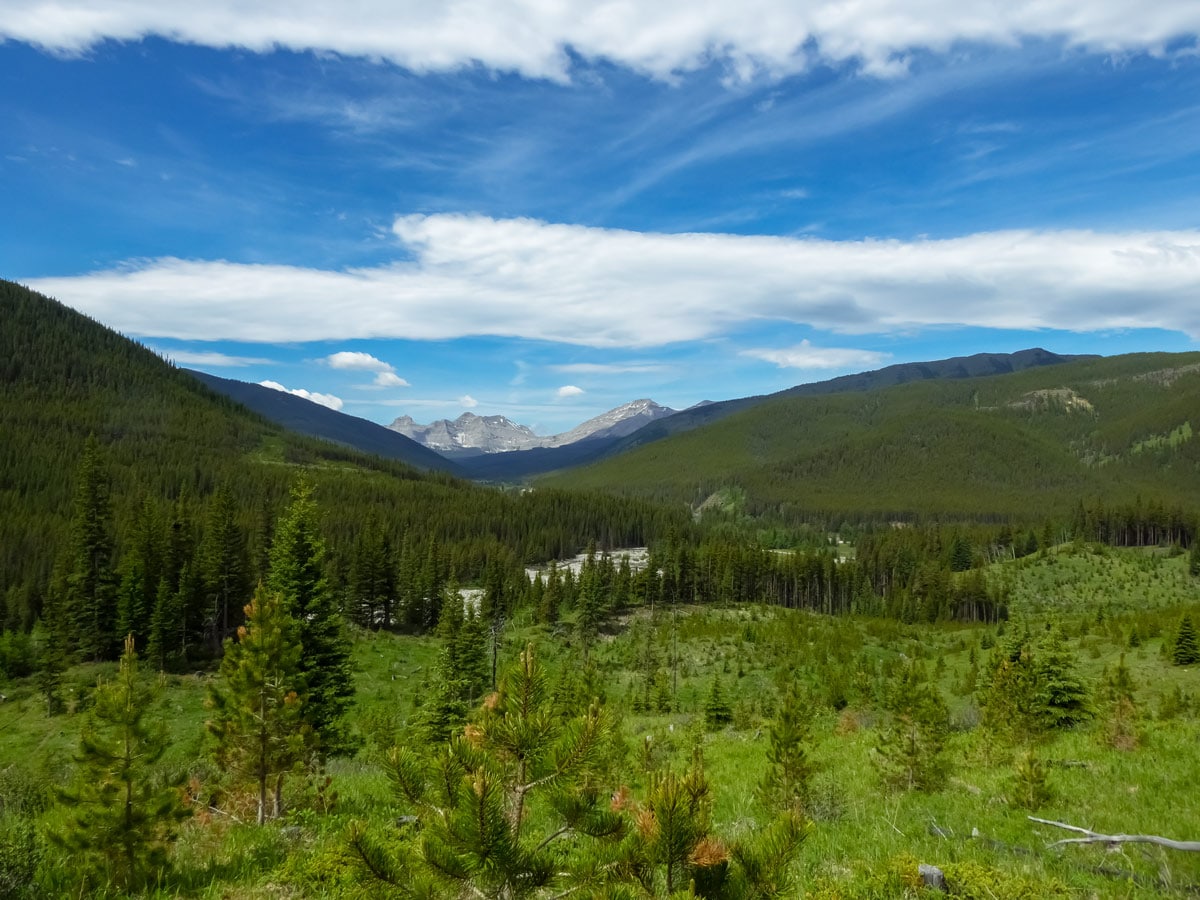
167 443
1025 445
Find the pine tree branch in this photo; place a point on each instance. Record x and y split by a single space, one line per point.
1092 837
550 838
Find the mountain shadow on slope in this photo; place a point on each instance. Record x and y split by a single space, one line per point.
303 416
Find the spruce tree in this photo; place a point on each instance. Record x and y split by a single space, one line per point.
123 816
257 702
591 603
373 579
224 568
1062 696
297 575
717 710
1185 651
91 589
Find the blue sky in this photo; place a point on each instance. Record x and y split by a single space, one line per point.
546 210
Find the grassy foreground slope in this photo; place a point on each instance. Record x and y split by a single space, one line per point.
1022 446
865 840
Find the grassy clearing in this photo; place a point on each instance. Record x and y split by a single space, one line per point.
864 840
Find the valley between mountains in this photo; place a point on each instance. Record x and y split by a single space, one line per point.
857 639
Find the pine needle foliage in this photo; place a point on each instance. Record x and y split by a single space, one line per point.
257 703
787 784
123 815
1031 787
507 809
911 748
672 841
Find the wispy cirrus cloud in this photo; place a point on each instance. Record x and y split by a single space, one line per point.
211 359
607 288
617 368
806 356
660 39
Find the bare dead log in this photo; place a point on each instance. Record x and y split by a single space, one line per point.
1093 837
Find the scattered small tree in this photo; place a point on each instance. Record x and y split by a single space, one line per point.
123 814
1185 651
1031 789
912 743
257 703
504 809
787 784
717 710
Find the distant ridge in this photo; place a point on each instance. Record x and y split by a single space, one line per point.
977 365
525 463
963 439
305 417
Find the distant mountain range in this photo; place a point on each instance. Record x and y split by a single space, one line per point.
304 416
470 435
1015 437
494 448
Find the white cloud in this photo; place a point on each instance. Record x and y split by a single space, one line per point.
661 38
329 400
390 379
210 358
466 401
385 373
805 356
361 362
471 275
568 390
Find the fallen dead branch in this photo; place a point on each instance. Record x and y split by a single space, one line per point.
1093 837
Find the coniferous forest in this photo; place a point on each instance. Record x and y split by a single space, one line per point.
237 662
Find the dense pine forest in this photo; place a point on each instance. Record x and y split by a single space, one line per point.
236 662
1020 447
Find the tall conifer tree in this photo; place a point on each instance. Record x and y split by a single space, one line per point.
297 575
91 592
225 568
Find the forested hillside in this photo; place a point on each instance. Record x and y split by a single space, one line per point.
166 449
1021 446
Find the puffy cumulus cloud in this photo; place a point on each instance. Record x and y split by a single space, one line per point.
660 39
568 390
385 373
472 275
805 356
329 400
466 401
361 362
